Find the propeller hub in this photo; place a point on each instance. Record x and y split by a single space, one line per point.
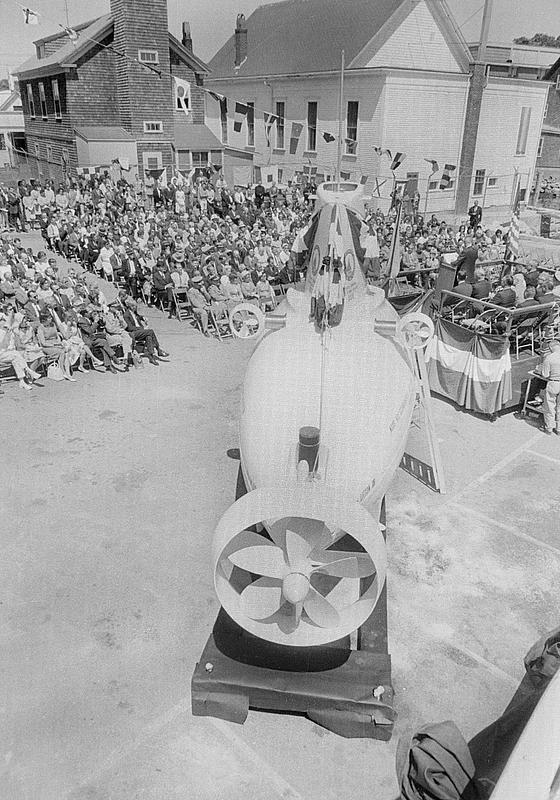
295 587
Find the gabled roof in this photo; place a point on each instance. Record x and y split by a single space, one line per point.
88 34
299 36
69 53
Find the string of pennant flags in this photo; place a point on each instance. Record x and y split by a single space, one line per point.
242 110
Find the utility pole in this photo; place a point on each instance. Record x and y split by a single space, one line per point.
472 116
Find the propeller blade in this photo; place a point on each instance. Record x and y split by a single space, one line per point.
262 598
298 549
339 565
344 594
244 331
261 559
320 611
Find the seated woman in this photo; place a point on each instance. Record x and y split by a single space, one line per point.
26 344
52 343
77 348
9 355
265 292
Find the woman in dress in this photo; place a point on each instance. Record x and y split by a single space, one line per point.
53 345
77 348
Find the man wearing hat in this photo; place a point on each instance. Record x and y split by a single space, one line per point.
198 301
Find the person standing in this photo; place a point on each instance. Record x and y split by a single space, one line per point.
475 215
550 369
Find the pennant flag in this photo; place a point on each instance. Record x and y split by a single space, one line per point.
269 121
380 151
217 167
435 165
124 162
297 128
446 177
30 17
241 111
335 233
221 99
155 173
471 368
397 160
395 252
350 146
345 176
183 95
512 248
328 137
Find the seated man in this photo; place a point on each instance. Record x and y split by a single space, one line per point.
481 286
218 298
545 291
505 296
530 299
116 332
135 326
463 287
198 299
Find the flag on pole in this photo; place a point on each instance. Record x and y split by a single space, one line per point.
445 181
297 128
395 252
183 95
328 137
30 17
241 111
269 121
435 165
512 248
350 146
398 159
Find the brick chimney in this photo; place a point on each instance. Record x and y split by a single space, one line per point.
186 39
240 40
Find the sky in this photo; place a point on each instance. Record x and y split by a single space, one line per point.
213 21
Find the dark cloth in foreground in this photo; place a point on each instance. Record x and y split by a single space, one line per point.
435 764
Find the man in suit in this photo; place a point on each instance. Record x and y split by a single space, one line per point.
544 291
505 296
481 287
134 324
475 215
467 262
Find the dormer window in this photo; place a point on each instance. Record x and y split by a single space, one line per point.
40 50
148 56
153 127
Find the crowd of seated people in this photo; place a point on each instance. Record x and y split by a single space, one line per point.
65 321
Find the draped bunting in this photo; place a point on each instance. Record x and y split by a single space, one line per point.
446 177
269 121
472 369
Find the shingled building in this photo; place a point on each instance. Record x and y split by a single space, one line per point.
108 94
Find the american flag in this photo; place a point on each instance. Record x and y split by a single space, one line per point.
512 248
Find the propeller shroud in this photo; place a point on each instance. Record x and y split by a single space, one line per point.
312 577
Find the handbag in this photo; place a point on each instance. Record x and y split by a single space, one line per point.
54 373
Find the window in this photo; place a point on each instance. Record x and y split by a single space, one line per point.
558 82
200 159
492 182
153 127
280 174
312 125
30 101
152 160
148 56
56 97
250 124
479 179
539 151
2 142
523 133
41 50
351 126
43 100
280 124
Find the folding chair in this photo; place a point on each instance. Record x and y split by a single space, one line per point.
221 326
182 306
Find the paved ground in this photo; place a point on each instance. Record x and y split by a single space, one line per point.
109 492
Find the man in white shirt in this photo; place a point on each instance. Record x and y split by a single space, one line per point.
369 242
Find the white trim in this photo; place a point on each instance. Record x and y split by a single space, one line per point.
153 126
148 52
